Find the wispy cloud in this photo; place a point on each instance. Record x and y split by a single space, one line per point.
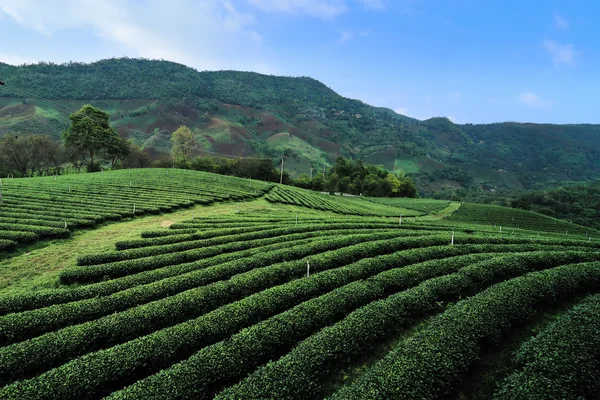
315 8
533 100
374 4
561 53
347 34
402 111
15 59
407 113
224 37
325 9
560 22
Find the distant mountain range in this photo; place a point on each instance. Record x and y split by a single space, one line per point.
245 113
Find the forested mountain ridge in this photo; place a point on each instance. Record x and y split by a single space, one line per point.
244 113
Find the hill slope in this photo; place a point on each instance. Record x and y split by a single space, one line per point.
243 113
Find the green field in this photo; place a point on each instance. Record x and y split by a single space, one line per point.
227 288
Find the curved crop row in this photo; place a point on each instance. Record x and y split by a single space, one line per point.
434 359
168 344
83 200
31 300
127 267
201 374
302 372
563 361
36 322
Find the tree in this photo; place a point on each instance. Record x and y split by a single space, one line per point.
29 154
15 153
116 149
90 132
183 146
136 158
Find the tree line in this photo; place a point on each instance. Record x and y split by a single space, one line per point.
87 144
91 142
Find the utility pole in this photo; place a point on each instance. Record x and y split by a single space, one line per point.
281 173
311 169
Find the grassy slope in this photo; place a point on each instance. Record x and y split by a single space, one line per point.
37 266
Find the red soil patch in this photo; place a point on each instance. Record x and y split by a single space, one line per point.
238 107
328 146
270 123
233 149
186 111
428 163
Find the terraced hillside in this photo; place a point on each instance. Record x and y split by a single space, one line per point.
336 204
52 207
302 302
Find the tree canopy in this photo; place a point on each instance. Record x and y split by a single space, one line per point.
356 177
91 132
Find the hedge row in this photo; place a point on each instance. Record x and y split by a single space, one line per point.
27 324
208 239
201 375
71 219
122 268
205 240
126 325
48 201
164 232
182 235
6 244
563 361
148 354
303 372
19 236
433 360
41 231
31 300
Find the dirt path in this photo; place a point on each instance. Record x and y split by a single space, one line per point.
443 213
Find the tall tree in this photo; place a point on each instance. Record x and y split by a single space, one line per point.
90 132
183 145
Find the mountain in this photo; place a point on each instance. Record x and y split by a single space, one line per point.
245 113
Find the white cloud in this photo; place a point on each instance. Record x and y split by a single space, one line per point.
14 59
347 34
208 34
560 53
533 100
453 119
374 4
315 8
560 22
402 111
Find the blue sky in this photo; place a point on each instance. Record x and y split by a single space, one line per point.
473 61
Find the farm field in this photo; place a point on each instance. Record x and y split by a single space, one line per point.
51 207
350 205
280 293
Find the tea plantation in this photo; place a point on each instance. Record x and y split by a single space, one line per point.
312 296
